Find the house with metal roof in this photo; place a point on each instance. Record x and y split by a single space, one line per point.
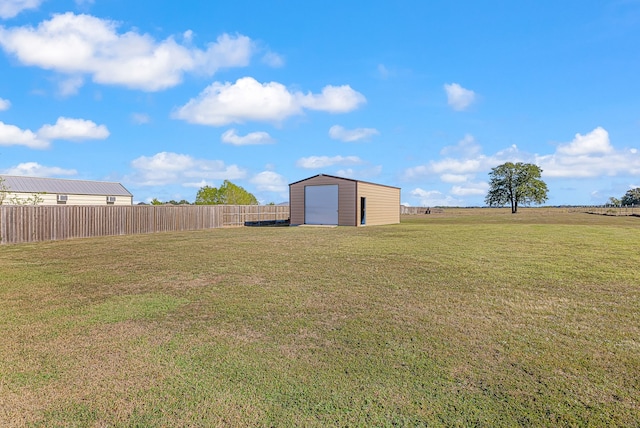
56 191
328 200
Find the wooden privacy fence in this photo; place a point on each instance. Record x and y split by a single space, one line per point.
22 223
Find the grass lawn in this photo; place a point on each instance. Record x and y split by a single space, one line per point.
466 318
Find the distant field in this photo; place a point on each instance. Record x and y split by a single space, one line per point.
461 318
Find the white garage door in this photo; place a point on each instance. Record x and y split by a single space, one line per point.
321 204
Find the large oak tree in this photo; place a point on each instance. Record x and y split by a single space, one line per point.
516 184
227 194
632 197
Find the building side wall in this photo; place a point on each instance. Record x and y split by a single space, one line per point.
346 199
296 203
52 199
382 204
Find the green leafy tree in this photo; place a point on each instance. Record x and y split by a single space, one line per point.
156 201
516 184
34 199
227 194
207 195
632 197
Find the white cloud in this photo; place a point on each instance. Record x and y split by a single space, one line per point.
140 118
272 59
455 178
337 132
466 148
249 100
383 71
361 173
334 99
452 169
458 97
588 156
11 8
64 129
4 104
231 137
315 162
346 173
11 135
595 142
198 185
73 130
70 86
448 168
430 198
470 189
83 44
270 181
171 168
558 165
460 166
34 169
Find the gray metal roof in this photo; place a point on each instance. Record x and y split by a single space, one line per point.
61 186
342 178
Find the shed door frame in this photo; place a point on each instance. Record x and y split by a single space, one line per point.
321 204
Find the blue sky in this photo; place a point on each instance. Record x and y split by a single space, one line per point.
166 96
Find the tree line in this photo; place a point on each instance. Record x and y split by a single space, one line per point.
632 197
227 194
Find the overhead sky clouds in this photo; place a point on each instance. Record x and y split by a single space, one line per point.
83 44
458 97
231 137
64 129
249 100
10 8
167 99
337 132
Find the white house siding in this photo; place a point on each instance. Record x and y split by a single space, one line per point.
52 199
78 192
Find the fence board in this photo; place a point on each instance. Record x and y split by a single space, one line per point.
26 223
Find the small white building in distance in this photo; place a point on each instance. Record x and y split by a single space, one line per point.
56 191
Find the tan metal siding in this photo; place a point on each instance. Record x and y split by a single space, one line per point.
382 204
346 196
296 203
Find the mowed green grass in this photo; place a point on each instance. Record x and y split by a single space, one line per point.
467 318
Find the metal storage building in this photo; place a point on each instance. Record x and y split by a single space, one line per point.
56 191
329 200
